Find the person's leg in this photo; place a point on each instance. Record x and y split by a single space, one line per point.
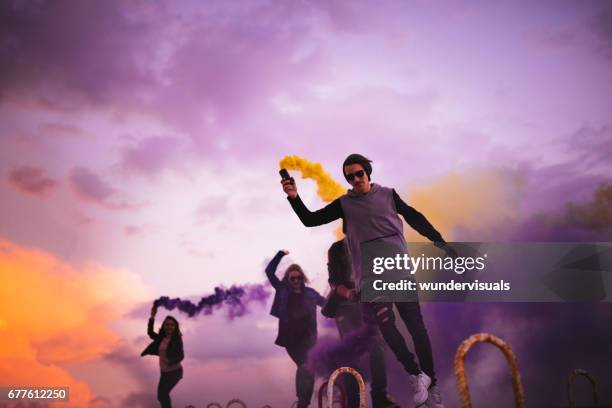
382 314
167 381
304 378
410 313
378 370
349 320
378 367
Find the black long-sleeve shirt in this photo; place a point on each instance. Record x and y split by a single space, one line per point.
333 211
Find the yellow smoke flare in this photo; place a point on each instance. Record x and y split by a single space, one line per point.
327 188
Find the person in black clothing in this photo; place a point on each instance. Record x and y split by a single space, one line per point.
295 306
369 213
349 319
168 345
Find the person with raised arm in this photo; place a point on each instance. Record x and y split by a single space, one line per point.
168 345
295 306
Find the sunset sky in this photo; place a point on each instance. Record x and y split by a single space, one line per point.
139 151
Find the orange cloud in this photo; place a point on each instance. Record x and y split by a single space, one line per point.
477 199
53 313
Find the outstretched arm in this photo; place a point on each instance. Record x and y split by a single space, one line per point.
271 269
325 215
417 221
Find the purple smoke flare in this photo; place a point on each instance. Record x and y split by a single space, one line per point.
235 299
332 352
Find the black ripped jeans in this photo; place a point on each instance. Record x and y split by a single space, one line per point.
410 312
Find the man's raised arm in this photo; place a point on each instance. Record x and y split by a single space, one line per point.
325 215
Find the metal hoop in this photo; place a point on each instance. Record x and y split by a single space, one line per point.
570 381
236 401
354 373
343 397
464 391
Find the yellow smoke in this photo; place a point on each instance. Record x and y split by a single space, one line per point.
477 200
328 189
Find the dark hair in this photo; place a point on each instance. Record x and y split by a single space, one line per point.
295 267
358 159
338 256
177 332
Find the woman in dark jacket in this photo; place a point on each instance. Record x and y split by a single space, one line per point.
168 345
295 306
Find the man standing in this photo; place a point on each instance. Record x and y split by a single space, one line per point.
369 212
350 321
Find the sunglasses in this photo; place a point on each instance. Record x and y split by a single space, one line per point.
351 176
295 278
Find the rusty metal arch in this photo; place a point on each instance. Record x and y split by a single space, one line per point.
332 380
236 401
570 381
465 346
343 397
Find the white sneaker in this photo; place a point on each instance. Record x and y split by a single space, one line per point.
435 398
420 383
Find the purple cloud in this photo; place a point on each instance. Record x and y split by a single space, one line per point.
140 399
591 146
601 24
48 51
88 186
150 156
131 230
31 180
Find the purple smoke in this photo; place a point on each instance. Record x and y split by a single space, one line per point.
332 352
234 299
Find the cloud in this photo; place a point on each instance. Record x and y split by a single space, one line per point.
53 314
601 26
100 402
60 131
591 147
140 399
131 230
591 32
90 187
575 221
150 156
31 180
49 50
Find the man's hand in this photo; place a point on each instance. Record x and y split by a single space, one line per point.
284 251
449 251
350 294
289 187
